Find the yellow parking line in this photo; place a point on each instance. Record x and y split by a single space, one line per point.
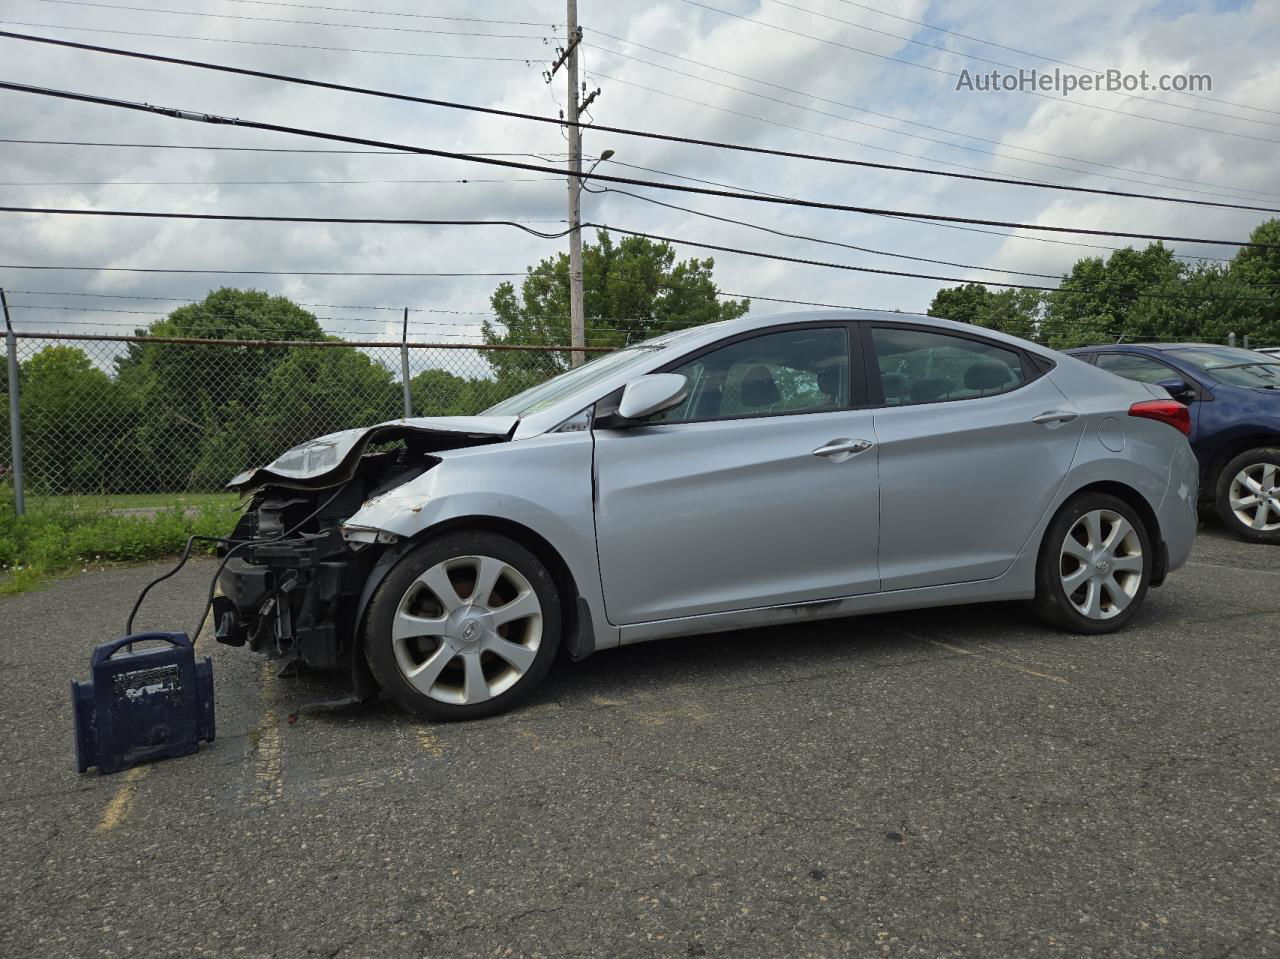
267 762
121 804
996 660
429 742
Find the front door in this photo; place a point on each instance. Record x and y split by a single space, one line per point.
758 490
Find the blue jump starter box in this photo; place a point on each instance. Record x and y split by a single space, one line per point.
141 705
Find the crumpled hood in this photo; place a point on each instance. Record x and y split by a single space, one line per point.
328 460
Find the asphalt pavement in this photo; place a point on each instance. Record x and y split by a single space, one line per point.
959 782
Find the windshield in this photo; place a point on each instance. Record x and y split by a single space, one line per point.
558 387
547 394
1235 367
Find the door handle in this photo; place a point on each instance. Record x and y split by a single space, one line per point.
839 450
1055 418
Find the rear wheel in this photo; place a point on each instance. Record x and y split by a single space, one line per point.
464 626
1094 566
1248 495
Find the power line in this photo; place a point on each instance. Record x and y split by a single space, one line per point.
393 13
1000 63
616 162
309 23
1041 56
545 157
271 43
787 201
917 276
138 269
494 111
452 180
814 239
947 226
893 117
259 218
951 73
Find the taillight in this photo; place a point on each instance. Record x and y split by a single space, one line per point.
1165 411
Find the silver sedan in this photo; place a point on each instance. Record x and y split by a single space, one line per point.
763 470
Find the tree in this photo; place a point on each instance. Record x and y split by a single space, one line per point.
1100 299
1258 268
1013 311
192 397
632 290
75 423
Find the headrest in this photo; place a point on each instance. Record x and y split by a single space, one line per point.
758 387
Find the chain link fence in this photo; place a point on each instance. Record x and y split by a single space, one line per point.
106 415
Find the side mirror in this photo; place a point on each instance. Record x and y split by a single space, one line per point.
652 393
1179 389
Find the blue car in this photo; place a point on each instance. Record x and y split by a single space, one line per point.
1234 399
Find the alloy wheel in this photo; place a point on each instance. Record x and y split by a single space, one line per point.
1255 497
1101 564
467 629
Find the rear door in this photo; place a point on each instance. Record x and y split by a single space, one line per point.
974 443
759 490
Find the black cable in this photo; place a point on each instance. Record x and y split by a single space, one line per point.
182 561
257 218
494 111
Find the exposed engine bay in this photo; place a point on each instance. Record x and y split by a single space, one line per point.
294 581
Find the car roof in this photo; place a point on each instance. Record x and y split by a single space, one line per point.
1160 347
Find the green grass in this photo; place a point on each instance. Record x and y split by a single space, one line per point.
109 501
60 539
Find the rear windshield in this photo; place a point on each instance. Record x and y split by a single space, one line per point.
1235 367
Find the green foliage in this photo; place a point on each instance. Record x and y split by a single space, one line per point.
632 290
197 405
47 542
1013 311
1137 295
437 393
75 420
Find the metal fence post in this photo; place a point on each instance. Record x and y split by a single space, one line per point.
404 365
15 410
1246 341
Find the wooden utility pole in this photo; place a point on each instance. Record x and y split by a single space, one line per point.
577 320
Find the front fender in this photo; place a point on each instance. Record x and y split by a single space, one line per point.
543 484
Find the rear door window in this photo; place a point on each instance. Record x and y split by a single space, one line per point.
923 366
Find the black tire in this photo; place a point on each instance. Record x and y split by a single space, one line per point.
1051 603
1222 495
380 650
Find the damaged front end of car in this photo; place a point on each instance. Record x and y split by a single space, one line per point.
296 576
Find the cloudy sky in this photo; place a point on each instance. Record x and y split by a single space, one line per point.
828 77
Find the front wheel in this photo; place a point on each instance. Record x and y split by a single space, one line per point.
1248 495
1094 566
464 626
